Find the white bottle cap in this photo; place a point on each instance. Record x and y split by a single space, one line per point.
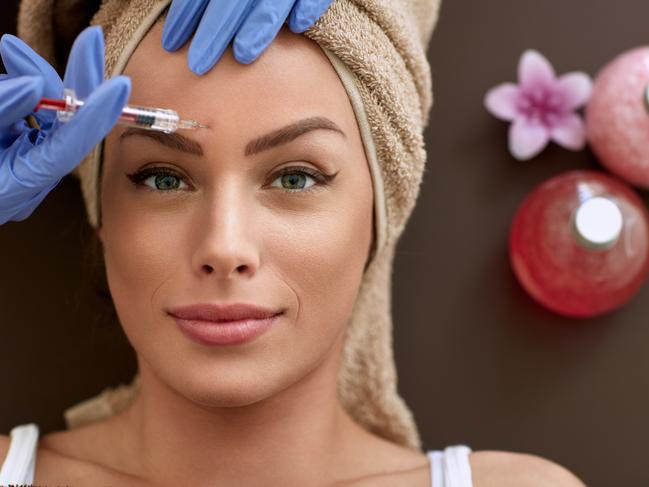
598 222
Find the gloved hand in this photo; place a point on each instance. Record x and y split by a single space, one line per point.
33 161
255 23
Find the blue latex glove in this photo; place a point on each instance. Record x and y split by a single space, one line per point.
33 161
255 23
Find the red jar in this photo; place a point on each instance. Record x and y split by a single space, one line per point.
579 243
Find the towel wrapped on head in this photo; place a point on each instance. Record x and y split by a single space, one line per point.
378 48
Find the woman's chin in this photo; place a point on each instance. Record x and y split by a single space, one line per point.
221 388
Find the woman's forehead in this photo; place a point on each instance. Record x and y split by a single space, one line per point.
292 77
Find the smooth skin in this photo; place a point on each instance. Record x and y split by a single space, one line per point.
264 413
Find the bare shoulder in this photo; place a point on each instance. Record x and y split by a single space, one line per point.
507 469
4 447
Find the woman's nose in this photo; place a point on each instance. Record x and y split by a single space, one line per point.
226 243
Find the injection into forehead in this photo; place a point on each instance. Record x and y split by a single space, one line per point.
275 138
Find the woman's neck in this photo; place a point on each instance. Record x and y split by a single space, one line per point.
292 438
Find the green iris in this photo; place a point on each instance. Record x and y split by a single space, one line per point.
167 181
292 179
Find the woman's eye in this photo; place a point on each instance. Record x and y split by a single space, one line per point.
162 179
291 179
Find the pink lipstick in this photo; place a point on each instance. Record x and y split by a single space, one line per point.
211 324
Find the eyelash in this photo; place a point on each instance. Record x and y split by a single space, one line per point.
321 179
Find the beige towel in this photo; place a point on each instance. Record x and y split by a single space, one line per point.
378 48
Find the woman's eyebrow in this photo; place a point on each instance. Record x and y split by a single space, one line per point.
173 140
272 139
290 132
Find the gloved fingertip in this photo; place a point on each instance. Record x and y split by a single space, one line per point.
297 23
305 14
91 39
167 45
8 41
207 48
202 65
85 67
92 31
245 59
94 35
8 38
181 22
298 27
95 28
122 86
243 55
3 39
11 42
170 41
200 71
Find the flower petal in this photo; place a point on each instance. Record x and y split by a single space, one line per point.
535 69
501 101
575 88
527 138
570 132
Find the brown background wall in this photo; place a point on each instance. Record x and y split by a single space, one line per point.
479 362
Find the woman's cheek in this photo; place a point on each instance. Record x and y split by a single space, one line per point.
321 256
140 255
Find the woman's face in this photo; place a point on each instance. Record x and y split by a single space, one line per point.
223 226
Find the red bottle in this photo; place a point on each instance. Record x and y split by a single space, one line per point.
579 243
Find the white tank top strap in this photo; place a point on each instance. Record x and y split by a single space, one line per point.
451 467
436 467
18 467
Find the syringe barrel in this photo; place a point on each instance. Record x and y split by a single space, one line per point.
150 118
161 119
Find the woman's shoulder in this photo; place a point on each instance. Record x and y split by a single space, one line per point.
5 440
508 469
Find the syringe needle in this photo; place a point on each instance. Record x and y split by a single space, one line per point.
191 125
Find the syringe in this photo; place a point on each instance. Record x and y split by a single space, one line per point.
160 119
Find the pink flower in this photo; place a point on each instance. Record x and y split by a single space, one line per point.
541 107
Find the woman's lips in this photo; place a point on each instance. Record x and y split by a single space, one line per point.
225 332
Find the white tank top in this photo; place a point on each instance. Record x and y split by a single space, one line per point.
448 468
